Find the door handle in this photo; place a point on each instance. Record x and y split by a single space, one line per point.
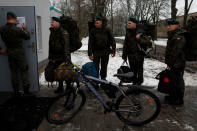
32 46
32 31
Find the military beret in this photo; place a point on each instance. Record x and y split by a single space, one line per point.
173 22
98 18
56 19
11 14
133 19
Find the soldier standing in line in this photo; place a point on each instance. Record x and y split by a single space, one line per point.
59 48
175 60
13 36
101 44
132 51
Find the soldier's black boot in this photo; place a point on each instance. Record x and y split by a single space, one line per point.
16 93
60 88
27 93
167 98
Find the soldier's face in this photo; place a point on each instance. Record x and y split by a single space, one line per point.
98 24
172 27
14 21
131 25
55 24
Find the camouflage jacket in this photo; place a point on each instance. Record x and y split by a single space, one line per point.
101 42
13 36
59 44
175 54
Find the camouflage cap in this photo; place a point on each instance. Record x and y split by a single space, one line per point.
13 15
133 19
173 22
56 19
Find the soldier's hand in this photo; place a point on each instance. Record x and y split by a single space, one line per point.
138 36
91 58
24 26
113 54
3 52
124 59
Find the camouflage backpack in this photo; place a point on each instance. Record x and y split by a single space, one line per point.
70 25
147 45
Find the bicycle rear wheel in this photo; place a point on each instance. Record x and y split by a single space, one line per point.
66 107
139 107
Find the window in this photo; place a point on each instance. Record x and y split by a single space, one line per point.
39 32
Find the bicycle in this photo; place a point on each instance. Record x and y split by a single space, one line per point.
134 106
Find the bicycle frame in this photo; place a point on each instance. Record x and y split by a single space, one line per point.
86 80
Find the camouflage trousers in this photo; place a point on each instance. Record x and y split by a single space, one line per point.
18 66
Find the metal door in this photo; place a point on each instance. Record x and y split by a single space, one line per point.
29 45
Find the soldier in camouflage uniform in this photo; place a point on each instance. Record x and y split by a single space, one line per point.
59 47
13 36
132 51
175 60
101 44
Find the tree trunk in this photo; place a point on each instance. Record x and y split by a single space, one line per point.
112 20
173 9
186 11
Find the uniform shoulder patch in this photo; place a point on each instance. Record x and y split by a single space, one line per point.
178 38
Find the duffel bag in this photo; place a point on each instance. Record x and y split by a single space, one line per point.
65 72
122 70
50 72
165 78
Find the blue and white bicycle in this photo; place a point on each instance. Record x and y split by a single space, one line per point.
132 104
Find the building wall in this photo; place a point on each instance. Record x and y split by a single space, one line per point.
41 11
162 27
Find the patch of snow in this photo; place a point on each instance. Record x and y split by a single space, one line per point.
188 127
120 37
161 41
84 44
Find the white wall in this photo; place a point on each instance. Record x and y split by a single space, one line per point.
42 10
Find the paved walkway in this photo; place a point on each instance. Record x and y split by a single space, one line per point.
92 118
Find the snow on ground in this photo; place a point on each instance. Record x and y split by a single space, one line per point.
161 41
85 44
120 37
151 68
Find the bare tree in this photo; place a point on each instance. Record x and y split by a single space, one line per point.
150 10
186 11
100 6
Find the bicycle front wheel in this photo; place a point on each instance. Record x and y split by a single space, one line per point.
138 107
66 107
